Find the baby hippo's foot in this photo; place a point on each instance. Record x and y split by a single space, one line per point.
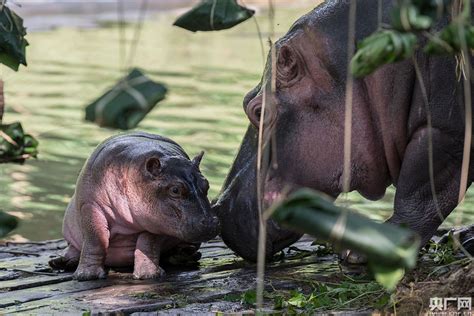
68 262
147 257
86 273
64 263
148 271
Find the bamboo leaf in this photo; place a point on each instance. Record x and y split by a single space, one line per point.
385 245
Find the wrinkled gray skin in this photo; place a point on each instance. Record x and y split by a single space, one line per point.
389 132
137 196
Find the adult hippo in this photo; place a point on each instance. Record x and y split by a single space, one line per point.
389 132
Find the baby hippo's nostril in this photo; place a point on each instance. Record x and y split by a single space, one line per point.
210 222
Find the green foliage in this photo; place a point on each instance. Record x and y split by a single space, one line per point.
249 298
331 297
214 15
15 145
386 246
448 41
12 39
7 223
411 15
409 18
442 253
381 48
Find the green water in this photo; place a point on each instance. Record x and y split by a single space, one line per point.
207 75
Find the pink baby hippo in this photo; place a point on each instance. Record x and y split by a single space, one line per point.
137 196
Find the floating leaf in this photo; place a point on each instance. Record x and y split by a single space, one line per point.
15 145
7 223
381 48
384 244
12 39
127 103
448 41
214 15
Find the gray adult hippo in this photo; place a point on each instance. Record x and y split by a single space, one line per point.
389 132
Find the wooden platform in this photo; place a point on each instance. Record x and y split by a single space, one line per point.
27 285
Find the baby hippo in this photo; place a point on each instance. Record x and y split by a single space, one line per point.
137 196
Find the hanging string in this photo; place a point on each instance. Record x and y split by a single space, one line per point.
138 30
213 11
121 29
2 101
379 13
346 174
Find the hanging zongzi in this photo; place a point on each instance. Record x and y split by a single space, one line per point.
127 103
12 39
214 15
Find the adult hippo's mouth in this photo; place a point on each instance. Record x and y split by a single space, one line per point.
237 207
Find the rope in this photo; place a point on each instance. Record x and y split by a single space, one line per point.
213 11
379 13
120 16
138 30
2 101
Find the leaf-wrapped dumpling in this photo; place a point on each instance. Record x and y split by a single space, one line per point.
214 15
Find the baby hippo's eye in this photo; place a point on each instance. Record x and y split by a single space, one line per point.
176 191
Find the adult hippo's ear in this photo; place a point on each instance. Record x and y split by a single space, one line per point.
197 160
153 166
254 110
289 69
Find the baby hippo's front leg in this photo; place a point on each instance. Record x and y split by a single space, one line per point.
147 256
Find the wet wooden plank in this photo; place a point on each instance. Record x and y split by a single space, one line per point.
27 285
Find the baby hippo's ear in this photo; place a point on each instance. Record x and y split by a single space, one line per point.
153 166
197 160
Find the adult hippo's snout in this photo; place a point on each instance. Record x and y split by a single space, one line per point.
237 207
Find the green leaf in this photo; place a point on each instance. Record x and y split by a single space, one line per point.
380 48
417 15
7 223
390 249
16 144
449 40
313 213
297 300
387 276
249 298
